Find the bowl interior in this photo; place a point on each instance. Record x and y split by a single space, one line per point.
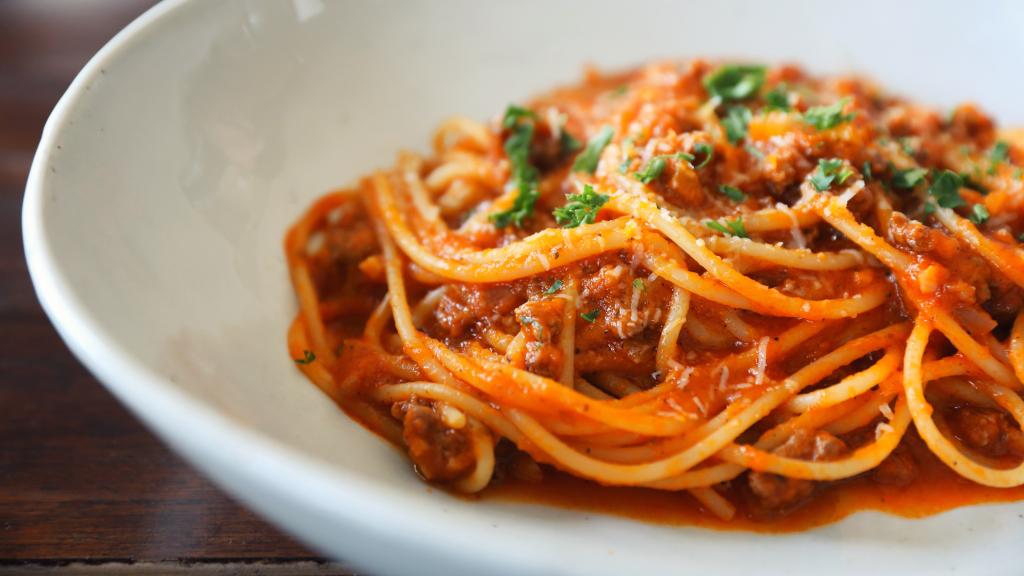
167 177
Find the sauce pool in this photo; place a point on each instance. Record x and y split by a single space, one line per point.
936 489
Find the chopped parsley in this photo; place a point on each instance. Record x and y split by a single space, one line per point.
732 193
979 214
866 170
754 151
929 208
1018 173
568 143
907 179
581 208
591 316
734 82
707 150
970 182
652 171
736 120
513 114
638 284
827 117
555 287
657 165
525 176
778 98
620 90
946 189
731 227
828 171
307 357
587 160
1000 152
908 146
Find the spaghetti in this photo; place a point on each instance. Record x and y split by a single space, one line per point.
742 282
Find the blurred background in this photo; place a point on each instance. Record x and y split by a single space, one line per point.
82 483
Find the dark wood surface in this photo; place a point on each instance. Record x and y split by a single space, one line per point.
80 478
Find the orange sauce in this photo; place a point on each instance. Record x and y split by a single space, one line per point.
935 490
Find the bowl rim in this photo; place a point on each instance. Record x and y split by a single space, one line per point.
239 459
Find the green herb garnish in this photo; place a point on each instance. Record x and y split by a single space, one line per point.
736 120
828 171
591 316
907 179
929 208
652 171
734 82
979 214
568 143
707 150
581 208
827 117
513 114
731 227
657 165
525 176
638 284
555 287
587 160
908 148
970 182
307 357
946 189
732 193
1000 152
754 151
777 98
866 170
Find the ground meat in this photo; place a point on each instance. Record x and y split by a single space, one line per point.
465 304
779 493
439 452
541 322
911 120
968 123
627 303
967 278
899 469
987 431
623 357
914 236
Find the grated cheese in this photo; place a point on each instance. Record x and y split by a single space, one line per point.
634 302
798 236
762 360
724 378
886 411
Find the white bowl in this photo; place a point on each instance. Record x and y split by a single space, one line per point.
168 173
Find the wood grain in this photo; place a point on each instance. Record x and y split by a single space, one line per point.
80 478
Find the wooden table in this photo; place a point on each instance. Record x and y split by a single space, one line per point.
82 483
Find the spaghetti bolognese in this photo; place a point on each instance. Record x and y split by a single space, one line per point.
742 282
